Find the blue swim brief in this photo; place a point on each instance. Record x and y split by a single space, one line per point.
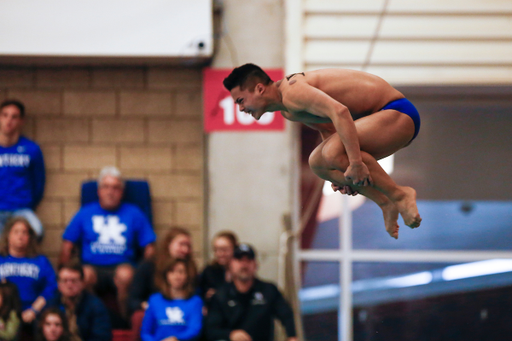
405 106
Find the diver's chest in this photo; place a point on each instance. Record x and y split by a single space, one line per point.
305 117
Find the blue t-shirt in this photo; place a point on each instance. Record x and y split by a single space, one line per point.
164 317
22 175
33 276
109 238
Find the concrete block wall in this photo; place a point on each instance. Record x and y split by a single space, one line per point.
145 120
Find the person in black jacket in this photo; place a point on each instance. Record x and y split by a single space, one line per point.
244 310
87 316
217 273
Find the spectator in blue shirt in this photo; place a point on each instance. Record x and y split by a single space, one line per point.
176 243
108 234
22 174
21 264
88 317
175 313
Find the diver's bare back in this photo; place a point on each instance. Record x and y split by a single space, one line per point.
362 93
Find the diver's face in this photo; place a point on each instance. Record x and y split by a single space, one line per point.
249 102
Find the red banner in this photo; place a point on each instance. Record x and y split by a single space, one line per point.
222 114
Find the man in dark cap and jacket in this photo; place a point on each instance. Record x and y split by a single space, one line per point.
245 309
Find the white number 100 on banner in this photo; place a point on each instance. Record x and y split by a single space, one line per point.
232 112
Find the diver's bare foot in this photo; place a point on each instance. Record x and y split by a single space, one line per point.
390 212
408 209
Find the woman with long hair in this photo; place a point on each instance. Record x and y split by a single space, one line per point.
217 272
23 265
174 313
176 244
53 326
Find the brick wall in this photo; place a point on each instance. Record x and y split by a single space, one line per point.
146 121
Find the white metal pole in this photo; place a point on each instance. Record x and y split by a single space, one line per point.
294 38
416 256
346 270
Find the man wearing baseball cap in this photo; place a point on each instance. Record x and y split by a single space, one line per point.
245 309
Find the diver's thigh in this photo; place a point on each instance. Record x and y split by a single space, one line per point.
385 132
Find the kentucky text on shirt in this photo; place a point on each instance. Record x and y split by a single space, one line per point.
19 269
14 160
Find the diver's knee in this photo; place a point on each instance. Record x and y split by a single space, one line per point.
315 159
335 157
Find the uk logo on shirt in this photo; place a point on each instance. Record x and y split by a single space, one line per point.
174 315
110 239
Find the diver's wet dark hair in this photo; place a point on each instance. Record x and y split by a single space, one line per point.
246 77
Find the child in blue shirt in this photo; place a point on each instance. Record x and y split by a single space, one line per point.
21 264
175 313
22 173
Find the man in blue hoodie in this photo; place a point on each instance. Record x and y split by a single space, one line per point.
22 173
